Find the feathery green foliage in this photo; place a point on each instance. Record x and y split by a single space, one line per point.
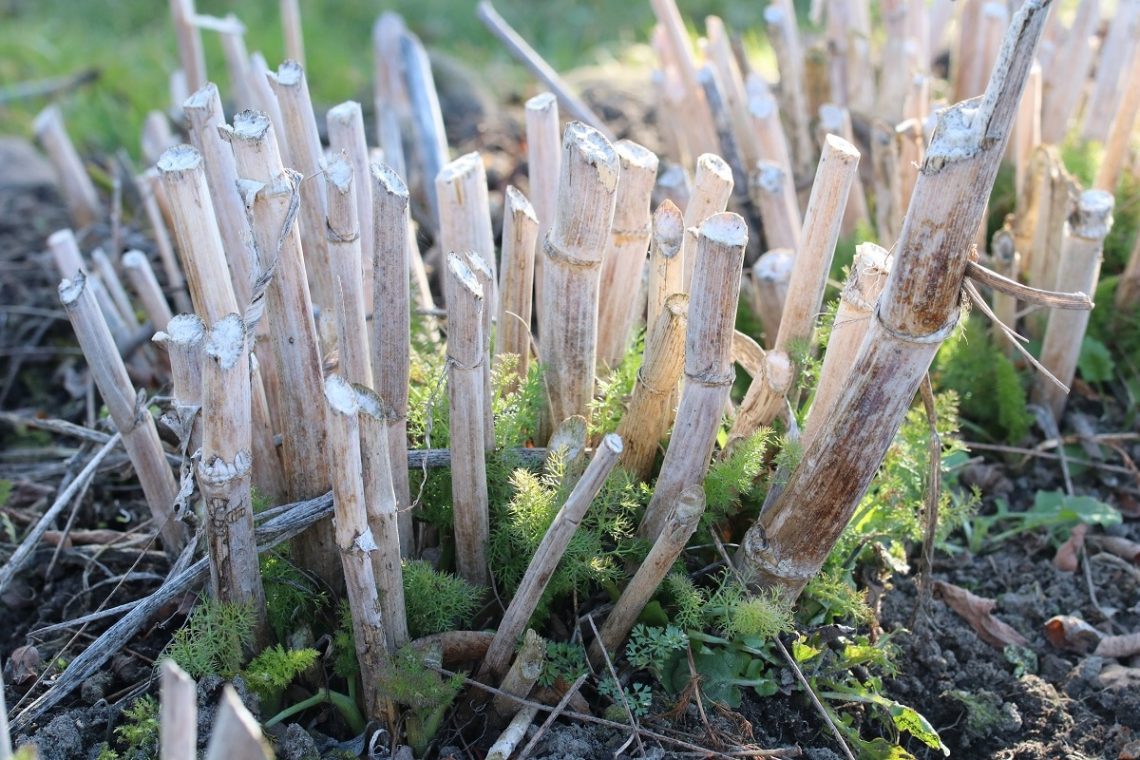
437 601
213 641
733 478
275 668
138 735
407 679
597 552
564 662
990 388
292 597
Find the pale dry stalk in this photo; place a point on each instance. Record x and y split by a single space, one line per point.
121 302
522 675
128 410
764 114
211 289
719 51
345 124
224 472
391 323
1027 129
270 193
649 413
486 280
672 185
573 257
684 517
391 527
1079 270
354 540
702 136
237 734
780 20
426 116
1056 199
465 359
722 123
265 99
1128 289
204 114
291 30
78 189
547 556
624 260
666 269
303 142
69 260
145 284
513 734
770 196
770 277
708 364
836 120
178 716
869 273
516 280
343 231
237 63
1113 83
712 187
1065 80
190 52
1123 126
889 209
918 310
912 148
968 78
184 340
149 186
1005 260
544 167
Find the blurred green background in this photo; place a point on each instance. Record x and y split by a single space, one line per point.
131 43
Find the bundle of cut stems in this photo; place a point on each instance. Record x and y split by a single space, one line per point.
918 310
708 363
572 260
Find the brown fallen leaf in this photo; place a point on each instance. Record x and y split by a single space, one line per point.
1072 634
978 612
1065 559
23 665
1121 547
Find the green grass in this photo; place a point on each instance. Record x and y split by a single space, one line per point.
132 44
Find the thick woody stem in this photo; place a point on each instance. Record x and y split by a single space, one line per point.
78 189
544 166
516 283
465 359
573 256
391 323
427 118
522 676
224 472
190 52
769 188
1123 126
390 526
128 412
204 113
853 318
647 418
918 310
487 282
836 120
184 339
666 269
1079 270
624 259
1110 90
345 124
712 187
144 282
684 517
547 556
1055 199
354 539
305 155
708 364
178 719
770 277
343 230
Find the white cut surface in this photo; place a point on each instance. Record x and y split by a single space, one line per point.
227 341
339 172
726 228
1093 217
185 330
289 74
459 269
541 102
180 158
344 113
774 265
518 203
388 181
203 99
582 144
250 124
70 290
341 395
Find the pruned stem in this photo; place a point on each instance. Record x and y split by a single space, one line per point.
648 415
145 284
236 732
572 260
522 675
129 413
544 166
345 124
465 359
516 283
666 267
224 472
712 187
178 724
343 231
708 364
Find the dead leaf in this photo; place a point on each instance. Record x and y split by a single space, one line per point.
1072 634
23 665
978 612
1121 547
1119 678
1065 559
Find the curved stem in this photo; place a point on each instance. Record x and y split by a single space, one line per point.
342 702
